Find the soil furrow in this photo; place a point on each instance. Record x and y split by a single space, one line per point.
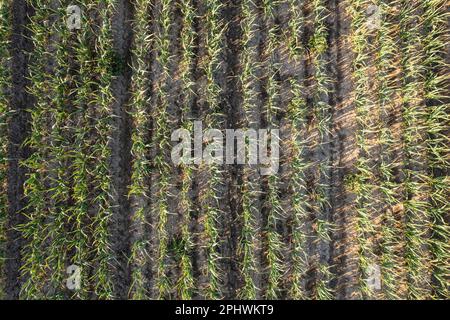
19 129
119 229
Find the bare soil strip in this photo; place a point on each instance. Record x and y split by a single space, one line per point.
120 148
19 128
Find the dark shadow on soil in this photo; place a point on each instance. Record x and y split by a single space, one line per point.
19 129
120 165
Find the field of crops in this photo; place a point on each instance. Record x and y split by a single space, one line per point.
359 208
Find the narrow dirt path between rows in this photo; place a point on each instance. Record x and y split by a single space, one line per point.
19 127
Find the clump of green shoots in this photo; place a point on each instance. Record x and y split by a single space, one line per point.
59 158
100 152
209 198
364 179
435 17
161 142
297 113
81 160
416 180
185 282
138 190
294 29
275 245
247 78
322 112
39 230
391 260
